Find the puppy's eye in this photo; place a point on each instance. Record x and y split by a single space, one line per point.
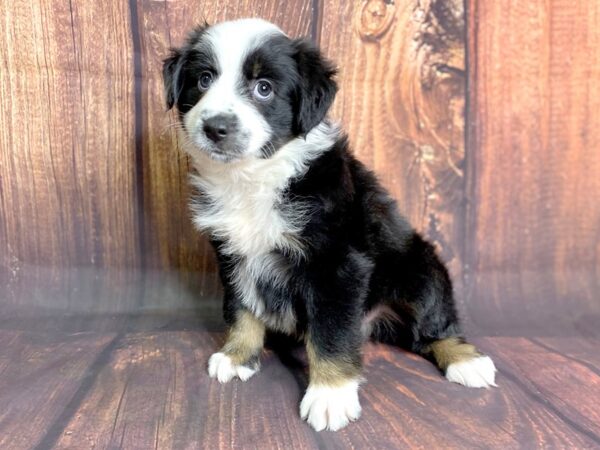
263 90
206 79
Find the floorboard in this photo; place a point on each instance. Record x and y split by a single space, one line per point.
96 364
146 387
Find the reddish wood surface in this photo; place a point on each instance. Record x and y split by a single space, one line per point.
109 300
67 157
44 376
149 389
534 160
401 101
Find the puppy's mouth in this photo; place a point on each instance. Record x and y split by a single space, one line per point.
222 156
222 152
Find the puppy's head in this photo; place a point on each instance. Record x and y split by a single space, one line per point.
243 89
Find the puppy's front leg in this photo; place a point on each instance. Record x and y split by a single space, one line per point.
331 400
239 357
334 340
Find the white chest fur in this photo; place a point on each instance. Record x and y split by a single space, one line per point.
242 205
242 202
244 209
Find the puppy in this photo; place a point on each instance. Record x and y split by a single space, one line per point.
308 242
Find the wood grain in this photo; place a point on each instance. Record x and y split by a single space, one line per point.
103 342
67 179
149 389
565 386
41 375
178 407
580 350
533 161
90 176
402 102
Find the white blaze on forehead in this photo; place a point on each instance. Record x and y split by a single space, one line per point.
231 42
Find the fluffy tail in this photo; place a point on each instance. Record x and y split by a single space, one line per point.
462 363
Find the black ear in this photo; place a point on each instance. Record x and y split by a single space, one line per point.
316 89
171 76
173 65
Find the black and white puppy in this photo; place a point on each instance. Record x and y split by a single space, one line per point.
308 242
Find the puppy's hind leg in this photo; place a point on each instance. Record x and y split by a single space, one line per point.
428 321
462 363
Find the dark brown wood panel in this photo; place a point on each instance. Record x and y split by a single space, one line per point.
43 377
149 389
534 160
582 351
178 407
83 120
169 239
566 387
67 174
87 292
401 100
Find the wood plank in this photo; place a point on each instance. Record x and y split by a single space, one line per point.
407 404
534 163
401 100
67 179
169 237
42 378
567 388
582 350
153 392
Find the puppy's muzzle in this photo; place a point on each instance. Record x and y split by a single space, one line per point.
219 127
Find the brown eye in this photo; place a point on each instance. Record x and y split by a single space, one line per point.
263 90
205 80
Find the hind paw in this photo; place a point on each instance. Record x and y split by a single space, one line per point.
477 372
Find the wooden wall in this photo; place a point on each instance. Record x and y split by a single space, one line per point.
533 230
90 178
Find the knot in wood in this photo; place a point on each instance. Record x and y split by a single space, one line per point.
375 18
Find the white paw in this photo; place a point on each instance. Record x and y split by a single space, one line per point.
221 368
476 373
330 407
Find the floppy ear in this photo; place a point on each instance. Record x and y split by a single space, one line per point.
316 89
173 66
171 76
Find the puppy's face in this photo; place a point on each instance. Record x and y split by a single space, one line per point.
244 89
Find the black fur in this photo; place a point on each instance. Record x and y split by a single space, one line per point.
360 252
358 228
316 90
181 70
302 79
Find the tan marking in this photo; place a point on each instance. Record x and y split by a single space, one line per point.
330 371
256 69
452 350
245 339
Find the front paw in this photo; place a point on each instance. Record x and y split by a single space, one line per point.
223 369
330 407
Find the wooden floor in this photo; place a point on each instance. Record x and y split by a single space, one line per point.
137 379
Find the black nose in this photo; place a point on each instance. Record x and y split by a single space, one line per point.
218 127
